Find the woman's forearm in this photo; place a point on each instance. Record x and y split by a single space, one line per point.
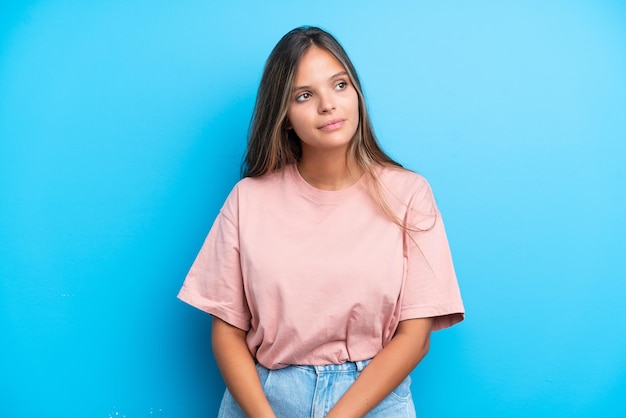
387 370
238 369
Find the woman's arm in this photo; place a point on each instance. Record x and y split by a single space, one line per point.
387 370
238 369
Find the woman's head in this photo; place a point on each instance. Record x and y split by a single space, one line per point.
272 144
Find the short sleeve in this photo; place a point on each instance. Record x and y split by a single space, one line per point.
431 288
214 283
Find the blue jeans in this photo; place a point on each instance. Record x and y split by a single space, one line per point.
311 391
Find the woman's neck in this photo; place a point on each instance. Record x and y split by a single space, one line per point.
326 172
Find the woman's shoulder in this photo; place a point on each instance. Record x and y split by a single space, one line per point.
402 180
410 190
253 191
264 183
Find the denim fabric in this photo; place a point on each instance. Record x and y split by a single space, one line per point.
311 391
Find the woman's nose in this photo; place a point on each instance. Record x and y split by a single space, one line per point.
326 103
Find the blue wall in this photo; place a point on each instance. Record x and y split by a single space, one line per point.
122 126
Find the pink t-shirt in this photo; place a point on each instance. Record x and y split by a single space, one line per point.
323 277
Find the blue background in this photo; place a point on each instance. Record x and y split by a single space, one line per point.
122 126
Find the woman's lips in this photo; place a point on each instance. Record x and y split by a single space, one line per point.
332 125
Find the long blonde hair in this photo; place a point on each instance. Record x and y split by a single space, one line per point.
271 146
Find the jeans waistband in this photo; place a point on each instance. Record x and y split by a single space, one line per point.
348 366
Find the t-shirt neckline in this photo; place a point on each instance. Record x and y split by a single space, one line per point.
322 196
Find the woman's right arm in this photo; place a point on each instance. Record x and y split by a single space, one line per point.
238 369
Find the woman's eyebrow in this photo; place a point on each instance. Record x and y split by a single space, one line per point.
339 74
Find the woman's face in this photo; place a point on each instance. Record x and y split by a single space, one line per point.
324 106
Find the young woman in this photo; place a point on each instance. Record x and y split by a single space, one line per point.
328 266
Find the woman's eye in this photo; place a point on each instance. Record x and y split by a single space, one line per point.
303 97
341 85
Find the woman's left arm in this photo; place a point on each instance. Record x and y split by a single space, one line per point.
387 370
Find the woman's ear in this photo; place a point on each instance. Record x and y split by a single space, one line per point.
288 126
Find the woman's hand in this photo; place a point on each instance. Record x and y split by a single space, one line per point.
387 370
